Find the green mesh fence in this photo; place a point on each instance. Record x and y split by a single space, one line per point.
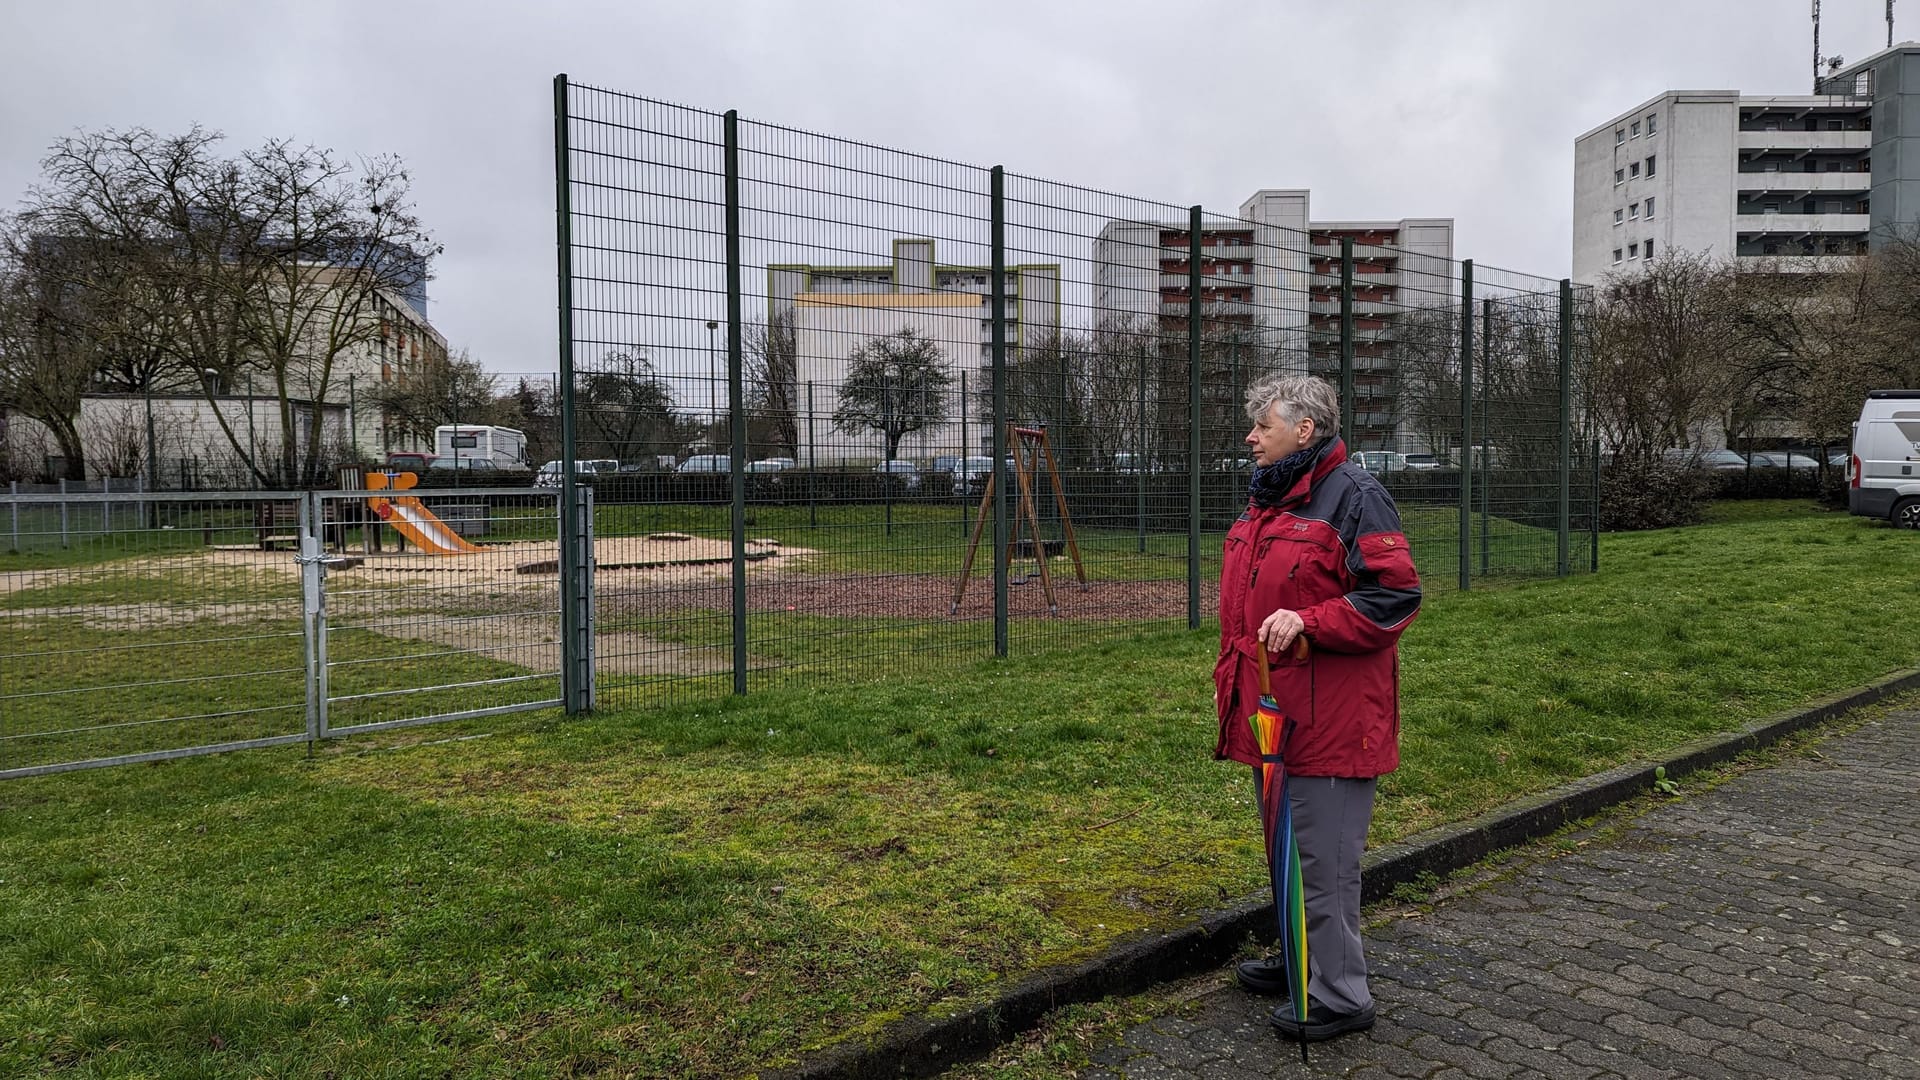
853 409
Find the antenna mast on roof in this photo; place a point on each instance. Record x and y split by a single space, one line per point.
1816 46
1889 24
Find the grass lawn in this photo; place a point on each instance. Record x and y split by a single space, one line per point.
719 886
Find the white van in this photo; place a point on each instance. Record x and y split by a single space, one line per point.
504 447
1883 475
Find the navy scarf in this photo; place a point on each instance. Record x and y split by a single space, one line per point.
1271 483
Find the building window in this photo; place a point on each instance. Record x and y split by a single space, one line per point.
1616 255
1633 170
1636 129
1618 217
1649 247
1836 125
1653 124
1649 206
1619 136
1770 208
1633 212
1649 164
1770 249
1619 176
1633 251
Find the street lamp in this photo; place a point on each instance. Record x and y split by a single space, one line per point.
713 390
153 464
353 421
253 460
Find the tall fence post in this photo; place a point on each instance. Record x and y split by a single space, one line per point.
1194 223
813 469
1593 511
65 540
1563 522
1466 424
1485 444
736 415
570 692
582 631
1347 409
13 511
997 196
1143 452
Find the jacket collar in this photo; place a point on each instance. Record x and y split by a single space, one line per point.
1295 475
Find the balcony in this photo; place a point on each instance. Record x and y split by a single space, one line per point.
1760 142
1793 185
1178 280
1800 224
1361 308
1795 263
1331 250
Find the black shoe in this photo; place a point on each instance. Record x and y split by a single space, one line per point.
1265 977
1322 1023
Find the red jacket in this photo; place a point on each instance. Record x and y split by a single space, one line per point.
1332 549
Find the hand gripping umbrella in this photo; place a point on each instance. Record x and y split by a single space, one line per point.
1270 731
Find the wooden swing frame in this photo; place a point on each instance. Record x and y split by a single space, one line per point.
1030 449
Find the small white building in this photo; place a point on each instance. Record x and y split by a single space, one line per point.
196 442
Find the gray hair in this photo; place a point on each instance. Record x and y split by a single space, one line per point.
1297 397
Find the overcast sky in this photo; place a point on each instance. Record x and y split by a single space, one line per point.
1389 108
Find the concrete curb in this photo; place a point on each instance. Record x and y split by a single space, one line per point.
929 1044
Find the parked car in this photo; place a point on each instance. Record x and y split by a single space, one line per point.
409 461
707 463
548 475
1777 459
1705 459
1421 461
465 464
769 465
902 473
945 463
1380 461
653 463
1232 464
970 475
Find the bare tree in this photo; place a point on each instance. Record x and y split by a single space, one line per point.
1666 344
773 392
895 385
438 392
272 264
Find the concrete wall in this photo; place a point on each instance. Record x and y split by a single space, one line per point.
1693 141
113 432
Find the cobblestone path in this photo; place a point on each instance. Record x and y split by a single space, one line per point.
1767 928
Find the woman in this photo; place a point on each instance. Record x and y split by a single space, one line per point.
1318 554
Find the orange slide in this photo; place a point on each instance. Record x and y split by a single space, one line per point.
411 517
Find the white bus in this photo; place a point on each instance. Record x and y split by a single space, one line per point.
504 447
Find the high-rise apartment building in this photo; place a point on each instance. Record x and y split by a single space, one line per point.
1278 272
1809 180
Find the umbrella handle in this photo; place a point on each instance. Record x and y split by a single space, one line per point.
1300 651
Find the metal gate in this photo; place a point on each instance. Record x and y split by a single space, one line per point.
194 623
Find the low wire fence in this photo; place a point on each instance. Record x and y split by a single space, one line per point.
182 624
938 410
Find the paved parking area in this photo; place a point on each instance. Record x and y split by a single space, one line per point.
1769 927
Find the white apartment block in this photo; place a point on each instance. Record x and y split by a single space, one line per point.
836 309
1277 270
1810 179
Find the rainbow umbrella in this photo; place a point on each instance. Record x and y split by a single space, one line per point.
1270 730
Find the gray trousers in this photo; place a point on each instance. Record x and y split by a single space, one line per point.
1330 819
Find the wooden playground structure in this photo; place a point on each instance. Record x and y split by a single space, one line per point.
1030 451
